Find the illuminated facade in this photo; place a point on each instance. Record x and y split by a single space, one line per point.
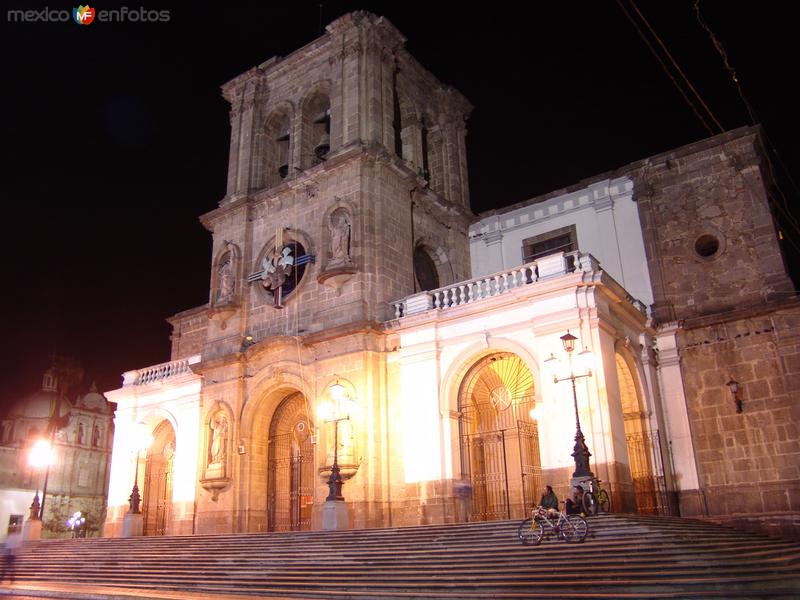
81 432
344 252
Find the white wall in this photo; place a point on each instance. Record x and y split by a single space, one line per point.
607 224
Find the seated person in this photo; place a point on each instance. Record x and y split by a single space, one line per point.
549 500
574 505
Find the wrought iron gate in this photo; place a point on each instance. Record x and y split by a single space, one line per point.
158 493
291 483
647 472
499 441
530 469
485 455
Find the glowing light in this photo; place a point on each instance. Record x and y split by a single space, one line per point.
587 359
420 418
41 454
142 437
337 391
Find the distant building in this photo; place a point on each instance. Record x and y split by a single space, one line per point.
346 261
82 432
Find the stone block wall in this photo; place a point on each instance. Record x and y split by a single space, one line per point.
188 332
709 236
748 462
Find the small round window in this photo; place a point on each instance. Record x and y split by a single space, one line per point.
706 246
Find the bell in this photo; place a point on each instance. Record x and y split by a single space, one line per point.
323 147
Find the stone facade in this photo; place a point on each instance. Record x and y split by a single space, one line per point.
710 239
78 478
718 272
341 260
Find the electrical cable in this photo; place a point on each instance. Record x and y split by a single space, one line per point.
677 67
664 67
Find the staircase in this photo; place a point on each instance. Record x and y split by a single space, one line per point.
626 556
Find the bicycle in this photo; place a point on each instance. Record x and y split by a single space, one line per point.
570 528
596 499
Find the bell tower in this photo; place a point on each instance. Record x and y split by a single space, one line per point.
347 187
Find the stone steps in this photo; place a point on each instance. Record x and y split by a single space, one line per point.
624 556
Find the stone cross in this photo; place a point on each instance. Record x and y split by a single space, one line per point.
276 269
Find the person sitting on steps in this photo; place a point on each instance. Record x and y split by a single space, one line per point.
549 500
574 505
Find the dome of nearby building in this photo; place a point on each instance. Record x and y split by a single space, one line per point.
39 404
36 406
93 400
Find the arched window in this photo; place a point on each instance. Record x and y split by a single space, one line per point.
316 130
274 149
425 270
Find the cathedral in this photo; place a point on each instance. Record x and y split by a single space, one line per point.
80 431
370 349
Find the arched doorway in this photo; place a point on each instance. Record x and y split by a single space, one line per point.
158 480
290 473
644 448
498 438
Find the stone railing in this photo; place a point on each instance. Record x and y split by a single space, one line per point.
501 282
159 372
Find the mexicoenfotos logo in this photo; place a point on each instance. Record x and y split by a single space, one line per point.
86 15
83 15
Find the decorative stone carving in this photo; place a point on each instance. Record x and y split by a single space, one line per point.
227 280
339 227
218 435
219 439
224 284
340 266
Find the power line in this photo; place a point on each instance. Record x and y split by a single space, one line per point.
677 67
785 210
664 67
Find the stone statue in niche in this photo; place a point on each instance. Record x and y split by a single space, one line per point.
81 434
219 438
96 437
339 228
226 280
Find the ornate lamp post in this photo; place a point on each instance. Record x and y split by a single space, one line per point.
142 441
40 456
132 525
335 513
580 451
335 412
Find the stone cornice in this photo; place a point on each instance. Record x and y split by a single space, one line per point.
188 313
554 204
759 310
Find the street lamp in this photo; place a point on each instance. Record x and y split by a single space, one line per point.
142 438
334 412
75 522
580 452
40 456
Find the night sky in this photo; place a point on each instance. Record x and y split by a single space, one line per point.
115 138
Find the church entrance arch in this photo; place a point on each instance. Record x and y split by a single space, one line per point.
290 472
499 440
158 474
644 448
